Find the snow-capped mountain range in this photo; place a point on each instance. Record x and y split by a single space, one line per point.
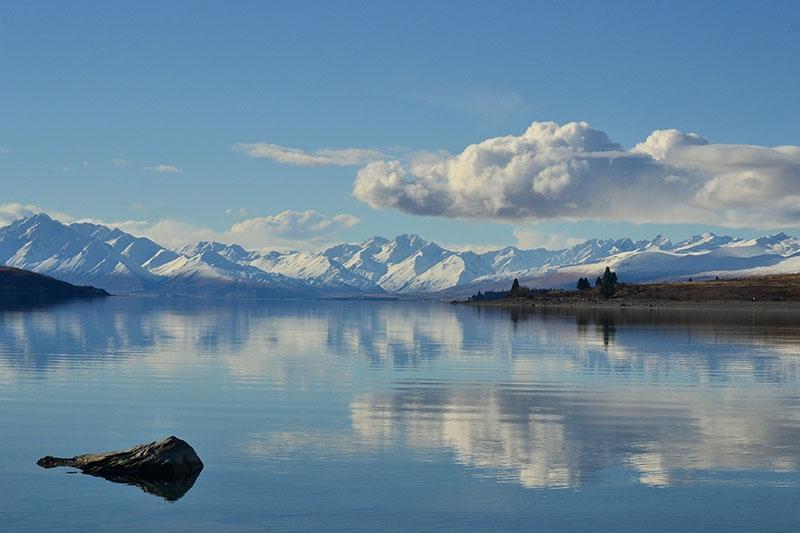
408 265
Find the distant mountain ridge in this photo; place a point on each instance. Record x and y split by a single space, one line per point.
407 265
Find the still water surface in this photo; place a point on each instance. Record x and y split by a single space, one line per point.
400 416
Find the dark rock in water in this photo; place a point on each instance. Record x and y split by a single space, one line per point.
167 468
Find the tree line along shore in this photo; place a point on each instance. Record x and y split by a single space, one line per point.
608 290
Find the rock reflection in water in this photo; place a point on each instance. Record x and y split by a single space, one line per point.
171 490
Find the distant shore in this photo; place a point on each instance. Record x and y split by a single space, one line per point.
766 292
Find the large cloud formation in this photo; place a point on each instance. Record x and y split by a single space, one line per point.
575 171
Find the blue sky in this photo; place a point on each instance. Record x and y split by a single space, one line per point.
96 98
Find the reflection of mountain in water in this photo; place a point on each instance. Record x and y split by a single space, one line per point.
550 398
246 334
399 335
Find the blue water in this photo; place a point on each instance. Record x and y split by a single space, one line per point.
401 416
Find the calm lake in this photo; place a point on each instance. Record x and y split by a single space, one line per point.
404 416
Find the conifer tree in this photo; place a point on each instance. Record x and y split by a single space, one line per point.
608 284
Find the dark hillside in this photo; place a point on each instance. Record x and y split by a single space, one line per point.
17 282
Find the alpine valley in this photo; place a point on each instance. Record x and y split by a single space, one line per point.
406 266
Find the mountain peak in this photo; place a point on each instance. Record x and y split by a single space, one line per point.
40 216
411 238
34 220
659 242
377 239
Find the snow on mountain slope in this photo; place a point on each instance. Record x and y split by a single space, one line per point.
231 252
360 258
34 239
375 258
788 265
512 259
400 248
454 270
86 253
658 243
343 253
704 242
316 269
109 258
364 264
779 243
46 246
647 266
399 275
592 250
161 258
140 250
215 274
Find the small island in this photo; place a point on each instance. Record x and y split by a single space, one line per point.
608 291
19 284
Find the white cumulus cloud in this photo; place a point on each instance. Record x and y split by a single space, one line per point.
577 172
295 156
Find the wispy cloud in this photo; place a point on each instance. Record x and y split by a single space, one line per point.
321 157
119 162
168 169
4 150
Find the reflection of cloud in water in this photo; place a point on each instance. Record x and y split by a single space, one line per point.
549 399
554 437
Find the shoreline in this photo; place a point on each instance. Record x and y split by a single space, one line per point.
621 304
